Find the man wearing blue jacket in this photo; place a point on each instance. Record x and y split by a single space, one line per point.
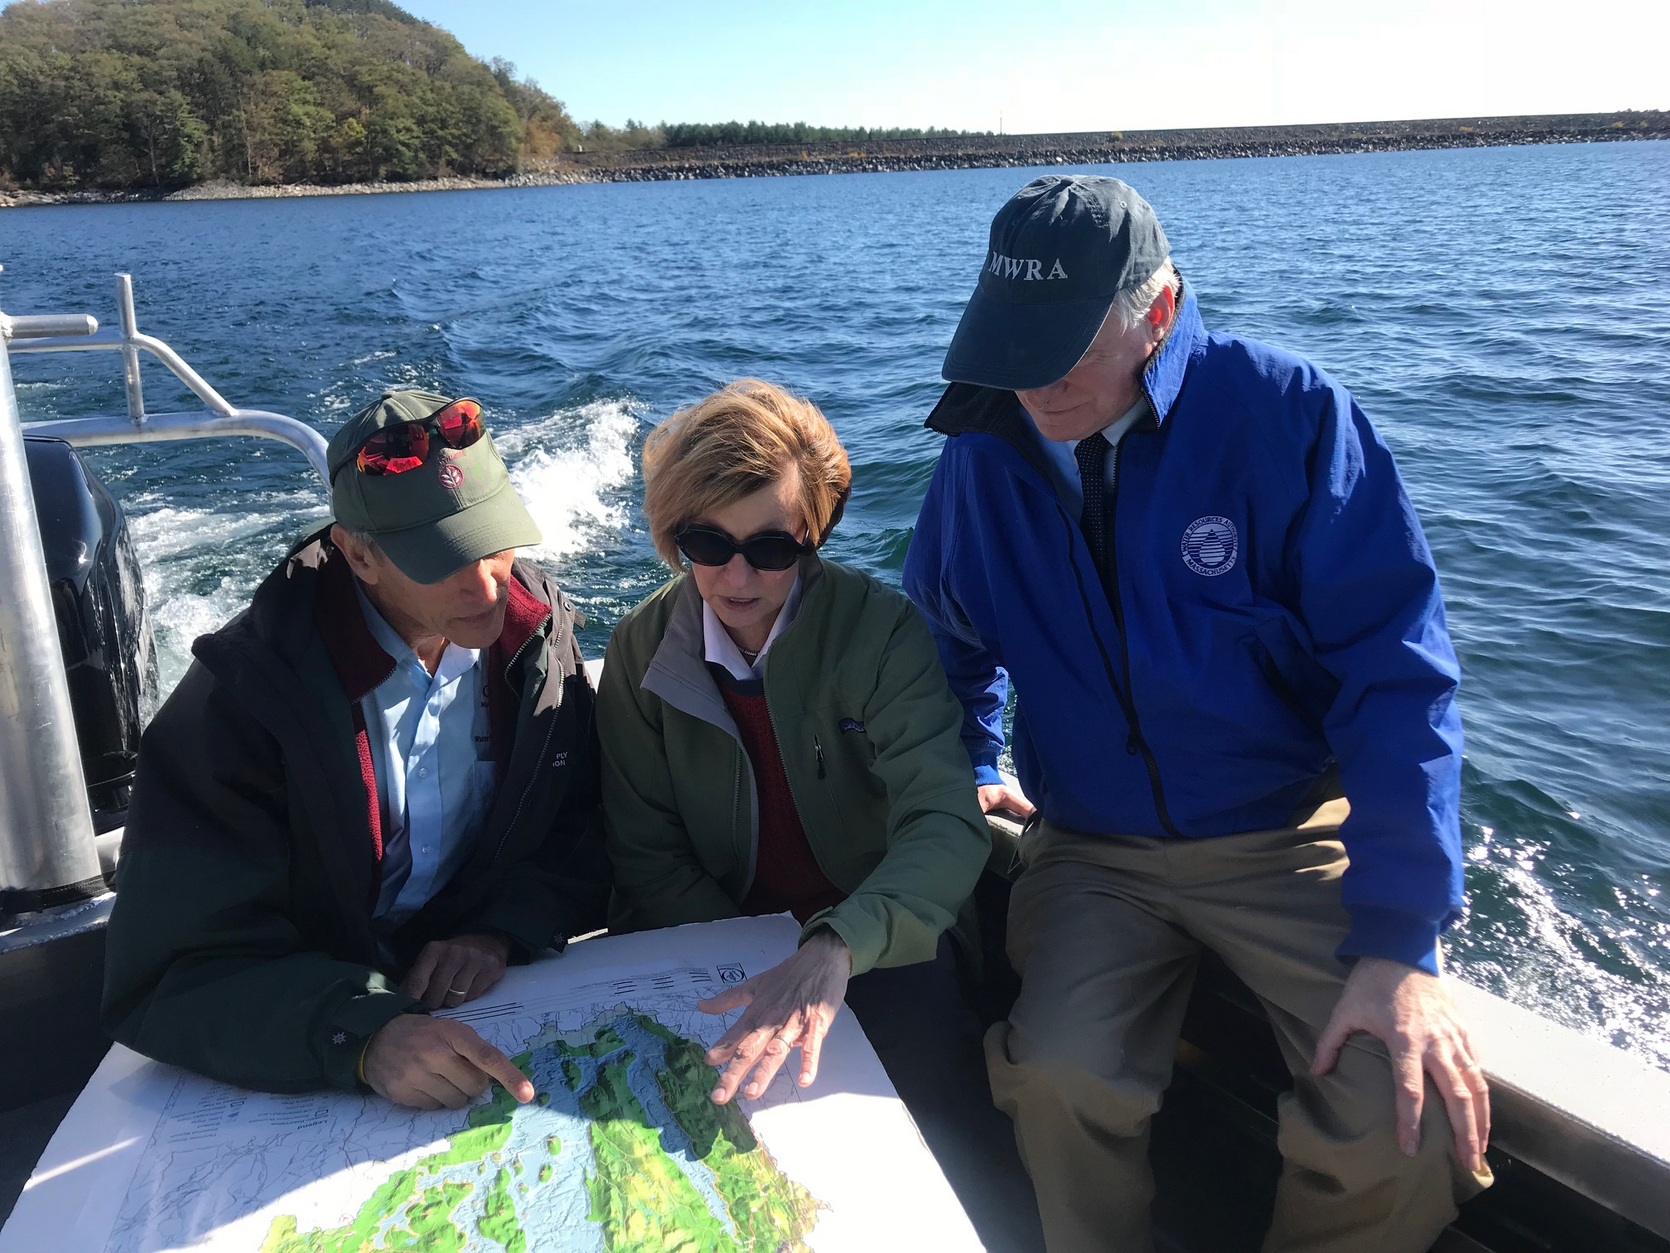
1194 557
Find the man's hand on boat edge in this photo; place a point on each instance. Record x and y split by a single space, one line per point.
1003 797
1412 1014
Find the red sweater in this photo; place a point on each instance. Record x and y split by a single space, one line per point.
786 875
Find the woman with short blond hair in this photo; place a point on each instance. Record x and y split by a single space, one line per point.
778 736
729 445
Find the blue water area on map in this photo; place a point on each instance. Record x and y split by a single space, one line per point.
1503 314
564 1116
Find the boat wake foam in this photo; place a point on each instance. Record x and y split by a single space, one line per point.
567 468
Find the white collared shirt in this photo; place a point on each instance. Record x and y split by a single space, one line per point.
721 649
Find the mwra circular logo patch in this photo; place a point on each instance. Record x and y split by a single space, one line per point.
1209 545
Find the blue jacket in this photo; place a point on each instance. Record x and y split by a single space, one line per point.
1277 628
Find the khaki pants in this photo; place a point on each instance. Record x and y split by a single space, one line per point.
1105 931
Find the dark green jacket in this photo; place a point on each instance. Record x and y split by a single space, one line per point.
870 737
241 943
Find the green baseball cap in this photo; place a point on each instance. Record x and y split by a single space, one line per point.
456 508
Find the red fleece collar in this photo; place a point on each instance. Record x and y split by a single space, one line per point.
523 616
361 663
357 657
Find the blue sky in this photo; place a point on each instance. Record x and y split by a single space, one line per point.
1031 65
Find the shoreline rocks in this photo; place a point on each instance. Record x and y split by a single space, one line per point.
287 191
970 152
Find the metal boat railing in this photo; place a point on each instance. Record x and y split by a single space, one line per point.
48 857
78 333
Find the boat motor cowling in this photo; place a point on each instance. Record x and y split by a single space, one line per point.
98 598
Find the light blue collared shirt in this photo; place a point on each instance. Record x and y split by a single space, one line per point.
432 751
1064 467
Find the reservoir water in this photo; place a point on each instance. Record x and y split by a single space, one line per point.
1503 314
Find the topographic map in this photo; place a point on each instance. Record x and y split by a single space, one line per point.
621 1149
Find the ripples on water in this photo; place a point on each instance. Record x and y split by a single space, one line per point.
1503 314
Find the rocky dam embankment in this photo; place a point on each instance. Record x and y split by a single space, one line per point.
967 152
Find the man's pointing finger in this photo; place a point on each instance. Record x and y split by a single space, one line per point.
489 1059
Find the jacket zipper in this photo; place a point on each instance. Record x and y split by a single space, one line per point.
747 841
1135 743
736 807
778 741
553 639
522 801
544 748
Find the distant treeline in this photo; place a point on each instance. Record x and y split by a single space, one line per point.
599 137
133 93
728 134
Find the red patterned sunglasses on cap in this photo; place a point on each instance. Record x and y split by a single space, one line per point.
397 449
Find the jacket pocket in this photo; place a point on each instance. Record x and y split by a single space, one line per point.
1292 675
852 736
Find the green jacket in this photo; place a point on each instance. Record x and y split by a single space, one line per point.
241 943
870 737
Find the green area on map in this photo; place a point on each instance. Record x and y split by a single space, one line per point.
627 1150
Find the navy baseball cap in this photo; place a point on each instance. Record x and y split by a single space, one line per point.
1061 250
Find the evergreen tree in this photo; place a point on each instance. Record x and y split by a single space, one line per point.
136 93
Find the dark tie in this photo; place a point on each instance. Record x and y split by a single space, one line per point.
1092 456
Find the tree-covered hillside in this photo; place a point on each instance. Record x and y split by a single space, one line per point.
137 93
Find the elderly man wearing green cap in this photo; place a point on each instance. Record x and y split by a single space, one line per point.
372 790
1194 558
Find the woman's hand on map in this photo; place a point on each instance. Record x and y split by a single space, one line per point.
450 972
431 1063
789 1006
